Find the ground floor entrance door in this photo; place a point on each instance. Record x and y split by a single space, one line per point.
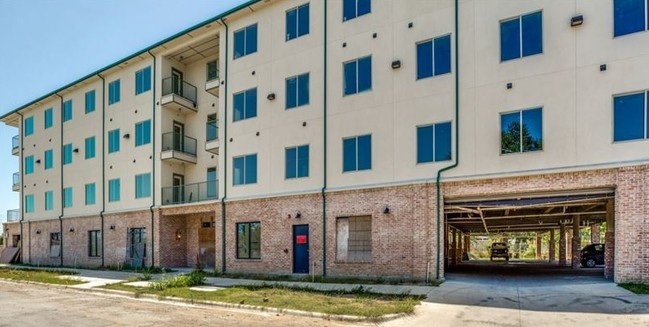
300 249
137 246
206 245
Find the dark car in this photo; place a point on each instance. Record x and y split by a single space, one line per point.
592 255
499 250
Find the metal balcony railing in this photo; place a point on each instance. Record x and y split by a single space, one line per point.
178 142
16 182
211 130
13 215
212 70
190 193
173 85
15 143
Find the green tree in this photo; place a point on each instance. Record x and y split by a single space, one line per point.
515 133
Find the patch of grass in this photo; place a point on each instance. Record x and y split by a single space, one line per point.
326 280
125 268
358 302
42 276
637 288
192 279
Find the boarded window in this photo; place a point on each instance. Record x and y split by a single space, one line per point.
354 239
55 244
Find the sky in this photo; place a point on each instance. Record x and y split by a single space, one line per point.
47 44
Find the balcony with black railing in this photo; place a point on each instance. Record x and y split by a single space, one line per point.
15 145
177 94
13 215
212 136
16 182
212 80
190 193
178 148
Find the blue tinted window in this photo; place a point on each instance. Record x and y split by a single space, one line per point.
442 56
532 27
49 118
113 141
114 190
425 59
245 41
143 133
90 101
357 75
357 153
67 154
67 110
245 169
113 92
90 147
90 193
29 126
245 104
528 29
212 186
49 200
425 144
434 143
443 141
297 162
49 159
356 8
297 91
434 57
297 22
67 197
29 203
629 117
522 131
510 42
629 16
143 80
29 165
142 186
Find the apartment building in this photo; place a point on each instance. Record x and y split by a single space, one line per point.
346 138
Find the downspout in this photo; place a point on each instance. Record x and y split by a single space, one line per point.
324 151
61 194
103 165
22 190
153 189
225 148
457 139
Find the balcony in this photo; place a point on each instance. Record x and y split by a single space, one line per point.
178 94
178 148
212 80
212 137
16 184
190 193
13 215
15 145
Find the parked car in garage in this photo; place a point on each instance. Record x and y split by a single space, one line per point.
499 250
592 255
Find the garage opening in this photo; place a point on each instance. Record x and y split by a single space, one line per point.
565 233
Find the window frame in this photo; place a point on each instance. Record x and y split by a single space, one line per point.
113 141
48 118
434 145
114 92
298 32
29 165
90 146
249 224
645 16
356 14
114 190
28 126
68 111
143 186
520 120
357 156
30 203
90 101
49 200
143 133
296 96
55 237
357 90
67 154
245 30
246 110
48 158
645 111
433 47
297 161
90 194
68 197
245 178
143 80
520 36
94 238
349 258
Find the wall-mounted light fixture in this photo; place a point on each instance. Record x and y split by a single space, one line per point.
298 215
179 235
38 161
396 64
126 136
271 96
112 227
76 150
576 20
386 210
72 230
38 231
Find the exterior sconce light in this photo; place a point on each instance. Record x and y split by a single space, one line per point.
396 64
386 210
179 235
112 227
127 136
38 161
38 231
298 215
72 230
76 150
576 20
271 96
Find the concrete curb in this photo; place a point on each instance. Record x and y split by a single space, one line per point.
292 312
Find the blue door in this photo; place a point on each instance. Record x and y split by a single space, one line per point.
300 249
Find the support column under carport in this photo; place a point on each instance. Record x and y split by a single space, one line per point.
551 247
467 246
454 246
562 244
538 245
609 250
594 234
576 241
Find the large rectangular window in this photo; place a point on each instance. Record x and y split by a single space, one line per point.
49 118
212 184
297 22
90 194
630 16
297 162
90 147
245 104
67 197
94 243
434 142
245 41
29 165
521 36
356 8
49 200
630 117
245 169
113 190
113 141
297 91
143 80
357 75
113 92
67 154
29 203
434 57
67 110
55 245
143 133
49 159
90 101
249 240
522 131
142 186
354 239
357 153
29 126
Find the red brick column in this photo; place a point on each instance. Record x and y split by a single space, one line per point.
454 247
594 234
538 245
551 247
576 241
562 244
609 251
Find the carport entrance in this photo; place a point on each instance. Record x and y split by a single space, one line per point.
543 219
